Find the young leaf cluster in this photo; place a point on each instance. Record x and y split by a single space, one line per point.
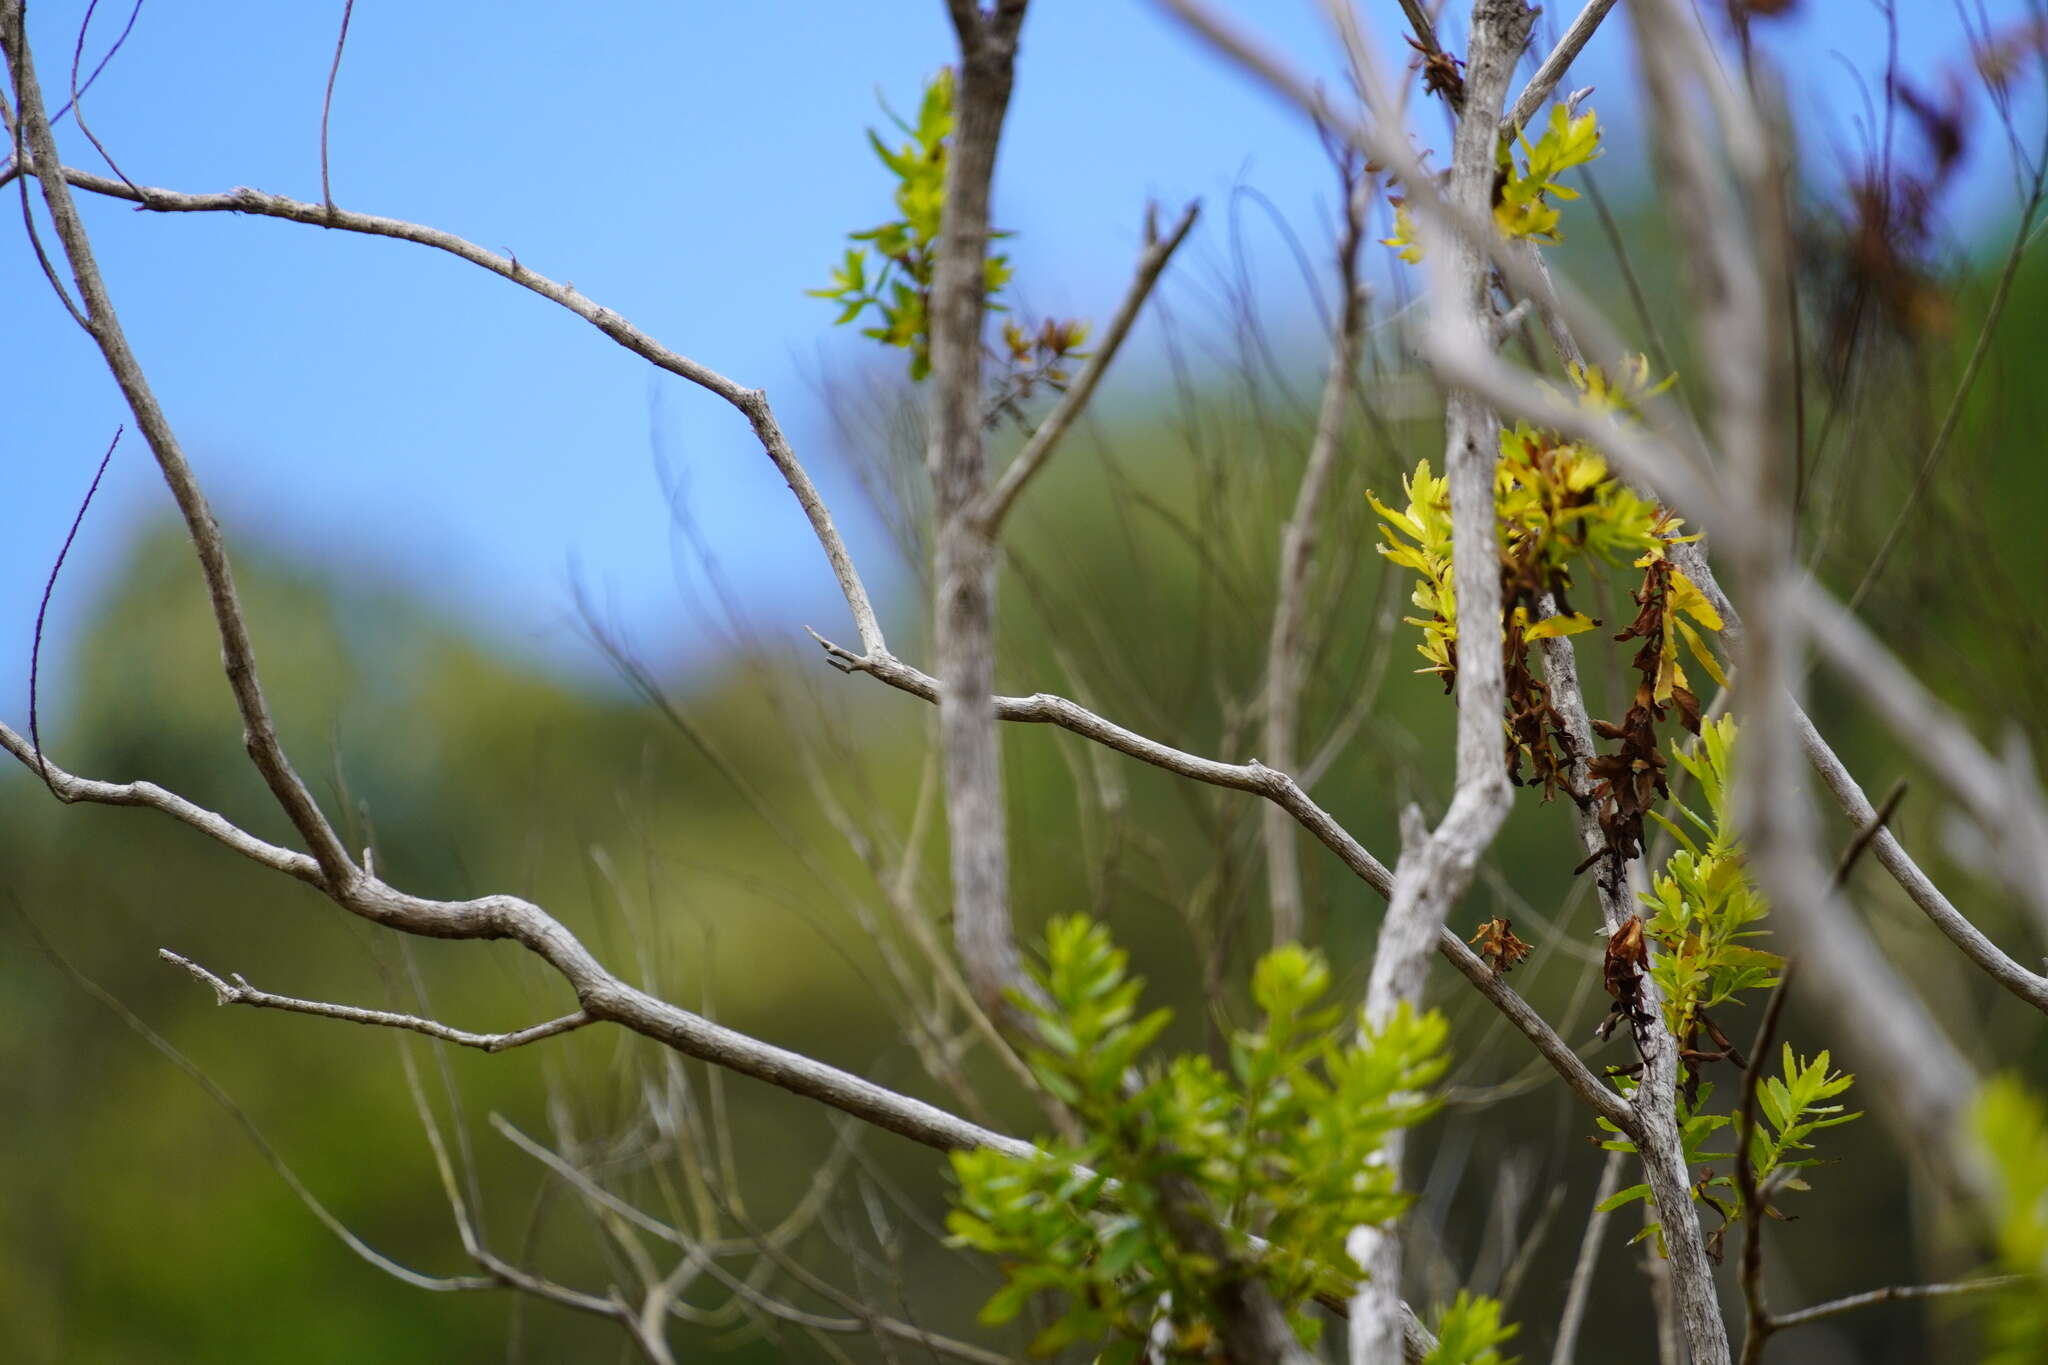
1469 1331
896 284
1522 206
1418 537
1793 1105
1702 906
1284 1139
887 273
1524 186
1558 505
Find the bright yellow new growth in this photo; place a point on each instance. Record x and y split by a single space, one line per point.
1556 502
1522 206
1426 524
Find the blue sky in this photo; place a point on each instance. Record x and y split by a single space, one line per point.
401 418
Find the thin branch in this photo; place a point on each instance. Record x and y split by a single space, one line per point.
270 1155
2004 798
1581 1290
35 653
77 101
1286 643
348 9
1045 709
1151 262
751 403
240 992
1757 1312
68 789
259 731
1556 64
1897 1293
1868 834
1594 1093
1919 888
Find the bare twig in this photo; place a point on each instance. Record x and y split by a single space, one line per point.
1045 709
348 9
35 653
1896 1293
2003 797
1757 1312
1581 1290
240 992
68 788
1285 644
259 731
1868 834
1922 891
1556 64
77 102
1038 449
750 403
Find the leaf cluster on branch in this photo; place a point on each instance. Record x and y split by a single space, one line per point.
1284 1139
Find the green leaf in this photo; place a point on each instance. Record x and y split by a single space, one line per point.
1622 1197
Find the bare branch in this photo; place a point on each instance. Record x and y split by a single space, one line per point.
963 625
1286 643
240 992
1753 1211
1151 263
1436 866
1892 855
1896 1293
1556 64
35 653
259 732
67 788
1581 1290
2004 798
1045 709
751 403
1594 1093
348 9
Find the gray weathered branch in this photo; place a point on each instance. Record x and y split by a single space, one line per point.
1436 865
1556 64
259 731
240 992
963 619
